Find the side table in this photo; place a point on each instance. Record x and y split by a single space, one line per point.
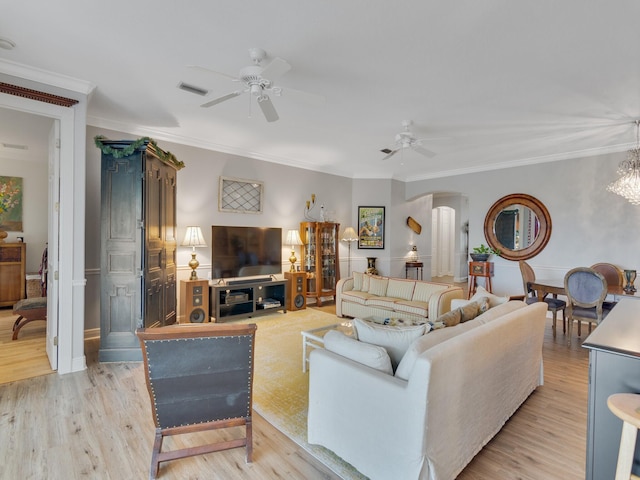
417 265
480 269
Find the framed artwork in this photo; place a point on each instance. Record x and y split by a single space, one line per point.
371 227
11 204
237 195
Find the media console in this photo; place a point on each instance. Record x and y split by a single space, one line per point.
247 299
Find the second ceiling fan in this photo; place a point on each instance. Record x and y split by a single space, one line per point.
406 139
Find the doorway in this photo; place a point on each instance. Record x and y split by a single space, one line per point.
443 242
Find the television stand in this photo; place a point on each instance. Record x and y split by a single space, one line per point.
248 299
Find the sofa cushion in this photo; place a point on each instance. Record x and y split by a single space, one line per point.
357 281
378 286
356 297
399 288
396 340
413 307
366 280
472 309
422 291
370 355
386 302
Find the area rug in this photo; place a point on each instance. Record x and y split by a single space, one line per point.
280 389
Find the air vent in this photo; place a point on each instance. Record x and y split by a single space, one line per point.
15 146
386 150
192 89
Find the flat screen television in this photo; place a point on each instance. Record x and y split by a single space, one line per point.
245 251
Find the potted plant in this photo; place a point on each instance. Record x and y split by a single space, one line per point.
482 253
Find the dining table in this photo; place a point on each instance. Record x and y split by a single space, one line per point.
555 286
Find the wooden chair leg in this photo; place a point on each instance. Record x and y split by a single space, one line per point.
626 452
155 462
249 437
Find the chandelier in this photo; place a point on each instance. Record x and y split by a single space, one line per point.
628 185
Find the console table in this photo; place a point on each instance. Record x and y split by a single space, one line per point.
417 265
480 269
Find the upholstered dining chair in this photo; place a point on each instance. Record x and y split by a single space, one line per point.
586 290
612 274
553 304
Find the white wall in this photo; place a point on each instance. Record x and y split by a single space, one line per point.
34 209
285 191
589 224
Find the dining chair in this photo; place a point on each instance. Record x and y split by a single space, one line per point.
586 290
553 304
613 275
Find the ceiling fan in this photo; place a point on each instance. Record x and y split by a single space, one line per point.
258 81
406 139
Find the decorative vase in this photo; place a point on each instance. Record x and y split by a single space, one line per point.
630 276
3 235
371 266
479 257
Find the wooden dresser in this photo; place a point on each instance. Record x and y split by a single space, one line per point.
12 272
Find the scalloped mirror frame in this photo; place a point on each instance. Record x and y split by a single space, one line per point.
543 216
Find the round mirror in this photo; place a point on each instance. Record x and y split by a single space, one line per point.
518 225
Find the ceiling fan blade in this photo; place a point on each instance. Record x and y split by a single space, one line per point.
221 99
310 98
393 152
275 69
423 151
269 111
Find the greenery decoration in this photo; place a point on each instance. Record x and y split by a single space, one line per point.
483 249
166 157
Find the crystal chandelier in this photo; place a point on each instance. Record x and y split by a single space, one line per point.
628 185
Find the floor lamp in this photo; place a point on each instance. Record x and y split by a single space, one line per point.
349 236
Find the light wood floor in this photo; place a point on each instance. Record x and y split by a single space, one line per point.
97 424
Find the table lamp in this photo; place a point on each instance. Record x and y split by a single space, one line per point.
194 239
349 235
293 239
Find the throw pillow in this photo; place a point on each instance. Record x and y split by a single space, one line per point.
396 340
468 312
357 281
378 286
450 319
370 355
494 300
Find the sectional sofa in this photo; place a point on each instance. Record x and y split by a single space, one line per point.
453 390
365 296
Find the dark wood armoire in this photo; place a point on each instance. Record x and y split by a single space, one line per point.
138 244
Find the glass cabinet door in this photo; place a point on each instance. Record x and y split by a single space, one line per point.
308 235
328 235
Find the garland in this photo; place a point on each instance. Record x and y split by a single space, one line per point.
166 157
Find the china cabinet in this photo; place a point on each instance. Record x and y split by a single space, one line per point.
320 258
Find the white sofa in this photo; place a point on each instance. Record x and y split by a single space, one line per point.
363 296
463 383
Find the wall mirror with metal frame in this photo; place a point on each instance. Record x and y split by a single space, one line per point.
518 225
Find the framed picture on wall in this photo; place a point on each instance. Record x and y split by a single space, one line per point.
371 227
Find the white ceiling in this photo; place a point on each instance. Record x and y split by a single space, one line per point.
487 83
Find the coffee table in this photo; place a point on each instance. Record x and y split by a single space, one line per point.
315 337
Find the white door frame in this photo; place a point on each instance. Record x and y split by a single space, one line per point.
69 316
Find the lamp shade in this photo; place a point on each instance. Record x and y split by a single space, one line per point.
349 235
194 238
293 238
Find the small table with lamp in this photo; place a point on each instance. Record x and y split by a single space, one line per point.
417 265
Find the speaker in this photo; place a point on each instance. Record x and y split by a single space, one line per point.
297 298
194 301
